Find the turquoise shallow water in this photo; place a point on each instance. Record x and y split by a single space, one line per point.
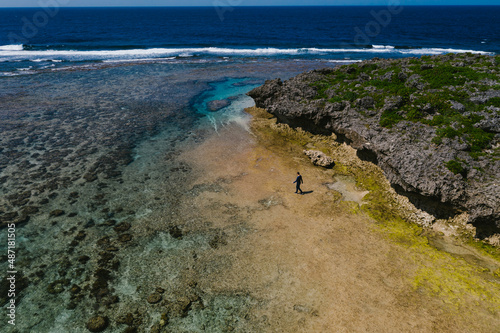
233 91
94 175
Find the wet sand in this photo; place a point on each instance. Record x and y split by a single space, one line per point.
309 264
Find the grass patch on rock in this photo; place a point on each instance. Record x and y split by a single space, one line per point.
450 93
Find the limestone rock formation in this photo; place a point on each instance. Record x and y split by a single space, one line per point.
430 124
320 159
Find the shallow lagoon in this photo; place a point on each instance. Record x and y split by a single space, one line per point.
94 174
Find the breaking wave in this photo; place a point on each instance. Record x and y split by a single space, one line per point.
19 53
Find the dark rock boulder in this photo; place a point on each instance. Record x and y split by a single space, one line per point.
97 324
216 105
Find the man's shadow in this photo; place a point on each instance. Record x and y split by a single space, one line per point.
307 192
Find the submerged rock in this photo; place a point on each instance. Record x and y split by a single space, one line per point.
175 232
154 298
125 238
57 286
216 105
56 213
28 210
97 324
121 227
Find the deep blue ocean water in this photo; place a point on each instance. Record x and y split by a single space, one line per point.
38 38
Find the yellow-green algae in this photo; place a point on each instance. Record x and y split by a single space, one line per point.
456 282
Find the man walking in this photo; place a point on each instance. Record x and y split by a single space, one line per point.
298 181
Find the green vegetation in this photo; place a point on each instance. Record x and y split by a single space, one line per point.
445 75
390 118
495 101
435 91
455 166
485 248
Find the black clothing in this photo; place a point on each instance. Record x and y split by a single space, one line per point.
298 181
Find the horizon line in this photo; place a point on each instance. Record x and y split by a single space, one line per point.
182 6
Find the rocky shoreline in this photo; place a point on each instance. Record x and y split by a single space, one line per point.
431 124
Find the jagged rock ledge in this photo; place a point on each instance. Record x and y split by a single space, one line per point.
432 124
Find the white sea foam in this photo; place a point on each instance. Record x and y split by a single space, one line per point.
17 47
344 61
436 51
9 74
138 60
16 52
389 47
18 73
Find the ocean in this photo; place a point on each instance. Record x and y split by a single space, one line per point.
48 39
115 124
